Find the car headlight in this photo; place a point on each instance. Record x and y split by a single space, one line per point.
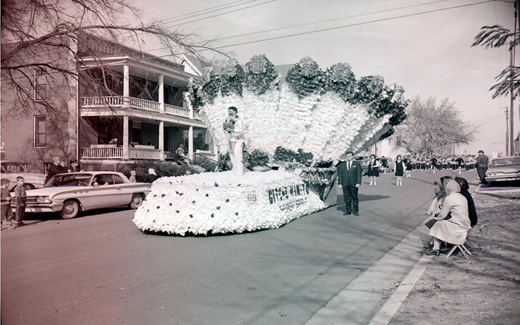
43 199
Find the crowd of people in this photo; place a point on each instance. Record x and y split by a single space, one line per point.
59 166
452 210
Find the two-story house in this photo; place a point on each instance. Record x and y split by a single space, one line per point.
119 93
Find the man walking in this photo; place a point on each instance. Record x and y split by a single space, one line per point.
349 179
482 166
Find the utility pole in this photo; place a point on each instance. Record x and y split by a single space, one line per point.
507 132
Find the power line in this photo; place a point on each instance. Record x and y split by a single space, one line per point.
206 11
351 25
191 21
317 22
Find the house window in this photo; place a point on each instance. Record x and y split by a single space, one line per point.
40 131
40 86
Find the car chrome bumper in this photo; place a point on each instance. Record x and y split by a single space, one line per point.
43 208
502 178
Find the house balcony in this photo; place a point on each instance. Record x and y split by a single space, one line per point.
108 151
100 104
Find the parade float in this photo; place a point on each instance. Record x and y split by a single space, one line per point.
293 132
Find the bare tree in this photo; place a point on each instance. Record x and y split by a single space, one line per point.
430 126
498 36
41 40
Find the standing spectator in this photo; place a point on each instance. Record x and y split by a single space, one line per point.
132 176
433 164
482 166
151 176
53 169
21 200
408 163
399 170
460 162
349 180
373 169
62 168
7 214
384 163
74 166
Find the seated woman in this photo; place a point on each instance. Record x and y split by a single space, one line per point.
181 156
454 229
472 210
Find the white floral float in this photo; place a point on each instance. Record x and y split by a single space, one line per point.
312 118
214 203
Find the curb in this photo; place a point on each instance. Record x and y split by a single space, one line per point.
363 300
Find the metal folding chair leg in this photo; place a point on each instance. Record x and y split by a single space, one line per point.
462 248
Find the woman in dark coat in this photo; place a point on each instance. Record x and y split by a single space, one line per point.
373 169
399 170
472 210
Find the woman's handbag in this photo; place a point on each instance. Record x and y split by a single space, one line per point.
430 223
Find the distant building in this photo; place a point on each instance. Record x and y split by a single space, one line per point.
119 93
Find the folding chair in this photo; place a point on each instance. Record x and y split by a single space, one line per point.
462 248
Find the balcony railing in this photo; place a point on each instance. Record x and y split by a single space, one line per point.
117 153
135 103
144 153
105 153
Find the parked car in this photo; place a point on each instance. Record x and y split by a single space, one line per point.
12 169
504 169
70 193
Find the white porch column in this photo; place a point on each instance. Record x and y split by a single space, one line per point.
161 91
126 85
190 143
161 139
126 150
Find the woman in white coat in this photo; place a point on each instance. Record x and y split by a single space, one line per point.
454 229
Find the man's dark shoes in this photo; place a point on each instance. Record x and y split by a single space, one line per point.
346 213
356 214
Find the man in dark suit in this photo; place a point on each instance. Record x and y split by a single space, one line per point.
349 179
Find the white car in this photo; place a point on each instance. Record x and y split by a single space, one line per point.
70 193
12 169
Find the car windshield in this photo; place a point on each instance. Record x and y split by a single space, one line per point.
506 161
69 180
13 168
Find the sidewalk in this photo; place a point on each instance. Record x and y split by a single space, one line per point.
435 290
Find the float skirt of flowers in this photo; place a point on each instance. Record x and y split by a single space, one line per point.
213 203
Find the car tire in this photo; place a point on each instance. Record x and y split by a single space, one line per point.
137 200
70 209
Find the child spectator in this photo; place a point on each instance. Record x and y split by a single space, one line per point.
20 200
132 176
7 214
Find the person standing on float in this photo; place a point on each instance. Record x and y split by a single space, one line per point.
349 180
234 127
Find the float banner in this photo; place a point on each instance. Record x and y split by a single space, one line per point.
285 193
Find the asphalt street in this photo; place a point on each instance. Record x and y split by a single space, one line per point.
100 269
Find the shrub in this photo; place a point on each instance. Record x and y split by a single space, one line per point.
284 155
162 169
258 157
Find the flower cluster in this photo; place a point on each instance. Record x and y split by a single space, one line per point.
261 75
341 80
306 78
232 79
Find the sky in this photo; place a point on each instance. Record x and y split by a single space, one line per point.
423 45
